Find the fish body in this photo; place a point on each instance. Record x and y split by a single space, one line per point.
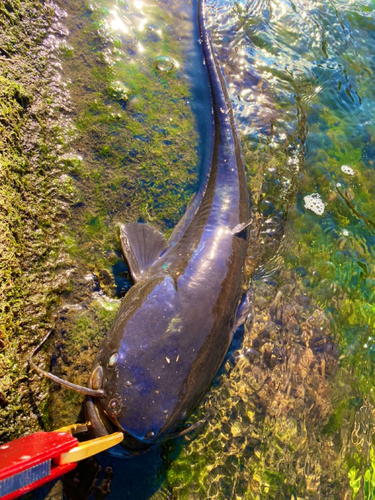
175 324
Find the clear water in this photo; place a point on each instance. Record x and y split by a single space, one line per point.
292 413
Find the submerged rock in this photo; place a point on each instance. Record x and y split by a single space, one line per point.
33 204
119 92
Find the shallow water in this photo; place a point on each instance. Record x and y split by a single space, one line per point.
292 413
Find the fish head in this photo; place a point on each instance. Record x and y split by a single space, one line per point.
109 413
138 398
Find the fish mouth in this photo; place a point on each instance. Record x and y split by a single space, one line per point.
100 425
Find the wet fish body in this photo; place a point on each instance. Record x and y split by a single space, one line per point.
175 324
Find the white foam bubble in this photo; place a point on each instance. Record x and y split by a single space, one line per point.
347 170
314 203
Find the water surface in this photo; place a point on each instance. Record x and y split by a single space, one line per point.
292 413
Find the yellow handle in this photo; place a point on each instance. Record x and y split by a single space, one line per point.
73 429
87 448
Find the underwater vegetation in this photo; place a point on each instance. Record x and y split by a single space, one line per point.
292 413
135 159
297 405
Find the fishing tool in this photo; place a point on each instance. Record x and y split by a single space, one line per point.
31 461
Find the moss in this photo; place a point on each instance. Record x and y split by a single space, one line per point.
136 143
280 416
32 206
74 351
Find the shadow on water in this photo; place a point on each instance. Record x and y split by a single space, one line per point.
121 275
138 477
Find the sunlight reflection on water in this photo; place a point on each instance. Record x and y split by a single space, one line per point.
292 415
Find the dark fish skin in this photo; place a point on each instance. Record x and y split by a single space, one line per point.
175 325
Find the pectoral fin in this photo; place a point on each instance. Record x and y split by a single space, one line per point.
187 430
244 309
240 227
142 246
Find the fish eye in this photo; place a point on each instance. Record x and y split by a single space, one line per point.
113 359
97 378
150 434
115 405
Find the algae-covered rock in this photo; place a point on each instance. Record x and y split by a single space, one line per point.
119 92
33 206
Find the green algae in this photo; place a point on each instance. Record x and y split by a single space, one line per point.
33 206
292 415
293 418
339 250
135 159
263 435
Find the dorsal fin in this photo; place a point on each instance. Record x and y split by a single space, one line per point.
142 245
